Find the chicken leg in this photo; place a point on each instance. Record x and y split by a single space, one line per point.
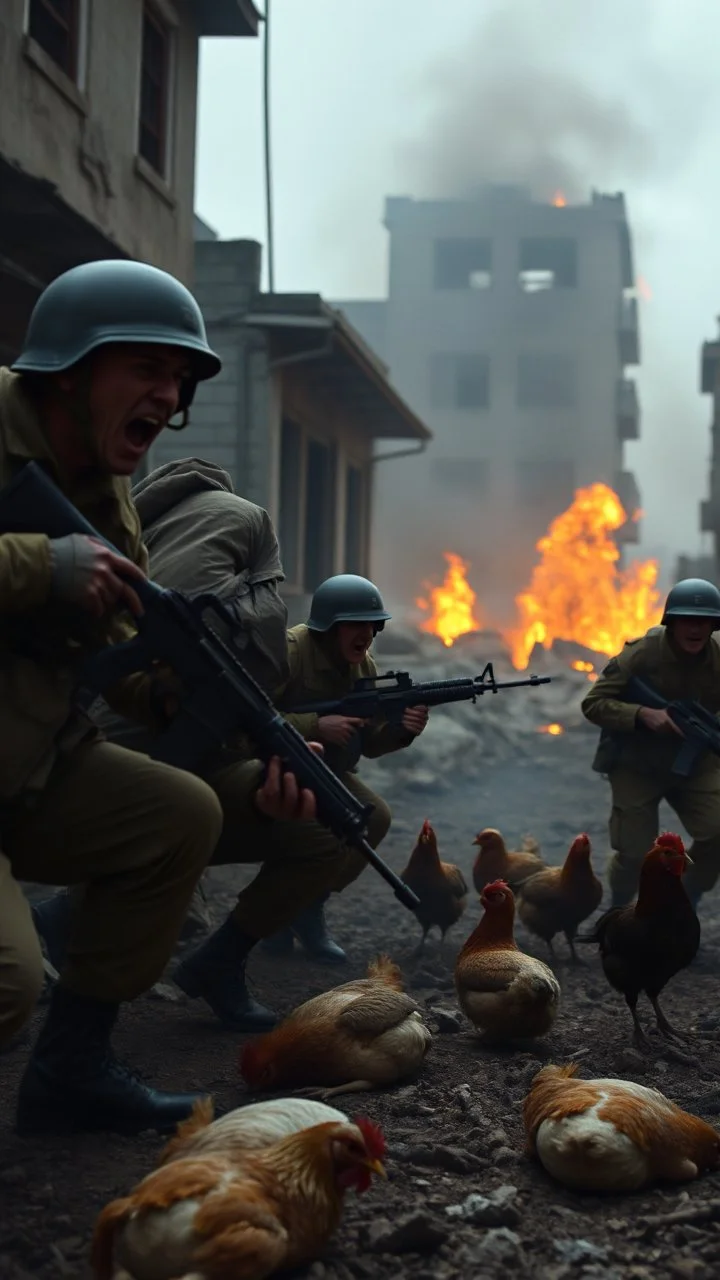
322 1093
571 943
640 1039
664 1027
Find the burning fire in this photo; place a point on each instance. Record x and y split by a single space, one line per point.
450 605
553 729
559 200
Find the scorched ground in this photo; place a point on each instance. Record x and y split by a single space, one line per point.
458 1130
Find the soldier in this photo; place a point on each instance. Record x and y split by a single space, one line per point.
638 745
328 654
114 351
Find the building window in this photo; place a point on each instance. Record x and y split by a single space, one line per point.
319 514
463 264
546 381
290 490
541 482
55 26
354 523
155 75
547 264
459 380
462 475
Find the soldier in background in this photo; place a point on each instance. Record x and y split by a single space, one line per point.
638 745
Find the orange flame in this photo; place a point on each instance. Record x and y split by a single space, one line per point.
579 665
559 200
553 729
450 605
577 591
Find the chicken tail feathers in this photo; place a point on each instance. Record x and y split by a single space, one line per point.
102 1250
202 1115
383 969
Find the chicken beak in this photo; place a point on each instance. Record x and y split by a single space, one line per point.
689 860
376 1167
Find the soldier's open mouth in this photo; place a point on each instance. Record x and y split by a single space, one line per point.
141 432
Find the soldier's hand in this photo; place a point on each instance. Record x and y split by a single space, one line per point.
658 721
281 798
86 572
414 719
338 730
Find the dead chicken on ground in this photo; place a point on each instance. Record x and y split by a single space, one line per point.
440 886
558 899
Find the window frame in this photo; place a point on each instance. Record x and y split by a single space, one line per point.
74 75
163 19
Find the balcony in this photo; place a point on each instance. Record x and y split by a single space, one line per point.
628 331
627 409
627 491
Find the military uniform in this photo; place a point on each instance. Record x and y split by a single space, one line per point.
638 762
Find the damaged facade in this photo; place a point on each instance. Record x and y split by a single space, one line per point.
97 137
710 508
509 325
293 416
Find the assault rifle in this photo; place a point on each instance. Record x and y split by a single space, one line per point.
698 726
371 696
220 697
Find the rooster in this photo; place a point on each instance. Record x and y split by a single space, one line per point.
643 945
440 886
558 899
505 993
613 1135
360 1036
240 1214
493 862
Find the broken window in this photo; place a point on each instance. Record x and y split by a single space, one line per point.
459 380
462 474
547 263
463 264
354 520
319 514
546 381
543 482
55 26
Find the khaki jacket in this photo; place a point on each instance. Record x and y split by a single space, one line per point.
673 675
314 678
40 642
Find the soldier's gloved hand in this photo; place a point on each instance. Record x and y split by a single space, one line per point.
86 572
338 730
280 797
658 721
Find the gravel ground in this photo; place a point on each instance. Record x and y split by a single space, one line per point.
454 1132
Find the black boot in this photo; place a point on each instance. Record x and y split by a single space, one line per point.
310 929
73 1082
51 918
215 973
281 943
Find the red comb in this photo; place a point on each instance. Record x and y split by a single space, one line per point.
426 827
668 840
373 1135
495 886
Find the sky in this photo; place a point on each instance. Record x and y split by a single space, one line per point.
371 98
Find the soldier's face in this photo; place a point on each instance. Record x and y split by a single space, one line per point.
691 634
354 640
131 393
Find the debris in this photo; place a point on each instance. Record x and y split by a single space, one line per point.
496 1209
416 1233
453 1159
579 1250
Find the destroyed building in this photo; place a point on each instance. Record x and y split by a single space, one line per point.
710 508
510 326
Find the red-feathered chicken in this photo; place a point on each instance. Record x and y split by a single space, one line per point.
242 1215
558 899
362 1035
613 1135
440 886
248 1128
505 993
643 945
494 862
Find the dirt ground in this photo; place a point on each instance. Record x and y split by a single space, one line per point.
457 1129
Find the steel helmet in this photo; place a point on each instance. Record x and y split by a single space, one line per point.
346 598
115 300
693 598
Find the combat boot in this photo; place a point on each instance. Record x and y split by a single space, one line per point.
215 973
310 929
51 918
74 1082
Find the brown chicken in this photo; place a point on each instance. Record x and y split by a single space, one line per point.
558 899
506 994
613 1135
239 1215
440 886
643 945
359 1036
493 862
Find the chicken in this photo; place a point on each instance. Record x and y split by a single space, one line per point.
359 1036
558 899
440 886
248 1128
493 861
243 1215
643 945
613 1135
505 993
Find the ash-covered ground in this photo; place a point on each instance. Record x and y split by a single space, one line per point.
457 1130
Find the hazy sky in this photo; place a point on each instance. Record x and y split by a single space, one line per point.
392 97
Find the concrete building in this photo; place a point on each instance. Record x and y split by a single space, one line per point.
97 136
710 509
509 325
293 416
